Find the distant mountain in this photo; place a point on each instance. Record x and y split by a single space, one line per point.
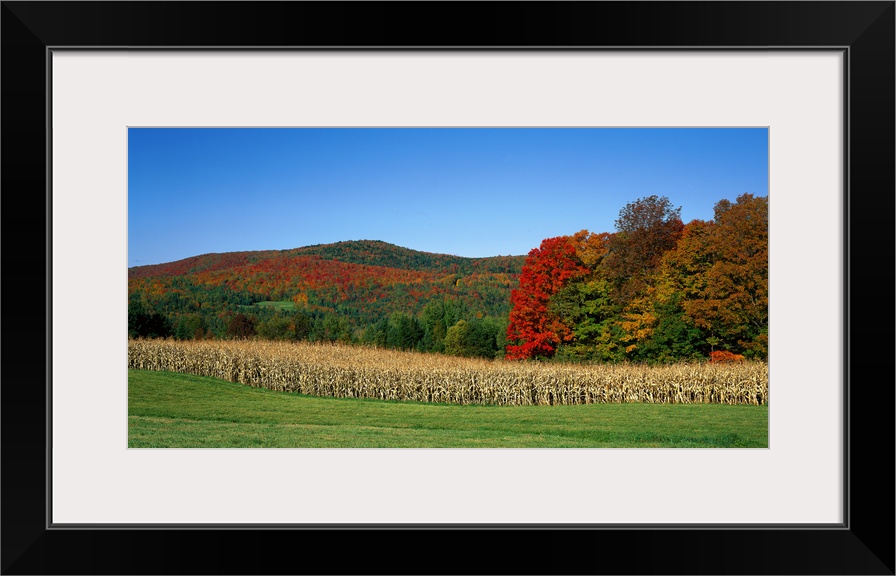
363 281
377 253
366 252
204 263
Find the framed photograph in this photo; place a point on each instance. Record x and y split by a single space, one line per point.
817 76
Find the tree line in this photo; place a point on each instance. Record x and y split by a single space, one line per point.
655 290
446 325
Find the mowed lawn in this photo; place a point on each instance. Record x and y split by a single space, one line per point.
167 409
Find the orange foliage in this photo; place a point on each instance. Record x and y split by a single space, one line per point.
724 357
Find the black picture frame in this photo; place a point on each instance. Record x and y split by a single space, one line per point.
864 544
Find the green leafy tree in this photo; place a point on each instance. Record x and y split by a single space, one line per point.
377 334
332 328
482 338
146 323
277 328
456 338
405 332
190 327
437 316
302 325
673 339
587 305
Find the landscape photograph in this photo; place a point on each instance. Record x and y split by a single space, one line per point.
448 287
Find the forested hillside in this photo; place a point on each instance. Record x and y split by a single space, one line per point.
365 291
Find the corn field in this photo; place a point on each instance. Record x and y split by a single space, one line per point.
359 372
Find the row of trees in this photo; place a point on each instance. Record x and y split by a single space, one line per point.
445 326
656 290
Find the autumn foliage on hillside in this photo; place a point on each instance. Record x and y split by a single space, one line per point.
359 291
365 291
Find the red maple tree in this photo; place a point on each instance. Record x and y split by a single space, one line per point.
532 330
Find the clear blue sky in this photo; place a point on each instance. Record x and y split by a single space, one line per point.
464 191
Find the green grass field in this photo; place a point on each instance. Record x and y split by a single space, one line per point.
166 409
